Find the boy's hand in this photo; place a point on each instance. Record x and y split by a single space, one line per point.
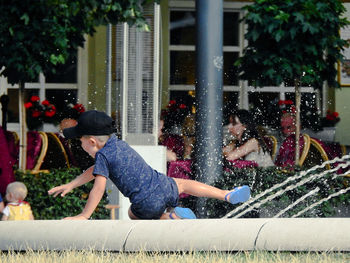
77 217
62 189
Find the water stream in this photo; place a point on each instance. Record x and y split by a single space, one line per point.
248 207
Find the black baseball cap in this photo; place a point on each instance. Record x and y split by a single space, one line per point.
91 122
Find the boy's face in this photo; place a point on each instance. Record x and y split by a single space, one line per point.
89 144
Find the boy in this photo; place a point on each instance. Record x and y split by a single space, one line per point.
17 208
150 192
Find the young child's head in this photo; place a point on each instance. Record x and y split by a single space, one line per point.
16 191
93 128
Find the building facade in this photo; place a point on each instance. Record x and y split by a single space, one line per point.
172 46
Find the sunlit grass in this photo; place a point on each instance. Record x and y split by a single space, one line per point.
142 257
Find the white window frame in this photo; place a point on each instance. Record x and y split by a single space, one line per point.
243 89
42 86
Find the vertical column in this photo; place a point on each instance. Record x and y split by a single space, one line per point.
209 89
109 70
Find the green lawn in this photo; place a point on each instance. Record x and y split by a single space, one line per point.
141 257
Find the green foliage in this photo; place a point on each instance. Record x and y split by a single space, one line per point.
48 207
292 39
260 179
37 35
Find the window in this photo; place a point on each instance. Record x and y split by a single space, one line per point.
182 47
237 93
182 41
66 73
60 89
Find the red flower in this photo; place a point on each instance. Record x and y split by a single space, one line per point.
172 103
51 111
34 99
293 109
182 106
45 103
28 105
330 117
39 112
285 102
36 113
79 107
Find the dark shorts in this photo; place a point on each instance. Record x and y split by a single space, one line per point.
166 195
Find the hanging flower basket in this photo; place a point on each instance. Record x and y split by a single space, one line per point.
331 119
37 113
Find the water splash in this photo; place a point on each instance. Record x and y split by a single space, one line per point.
291 187
297 201
343 191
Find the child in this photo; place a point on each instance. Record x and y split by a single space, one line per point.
150 192
16 208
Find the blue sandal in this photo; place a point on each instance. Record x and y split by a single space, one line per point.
182 213
238 195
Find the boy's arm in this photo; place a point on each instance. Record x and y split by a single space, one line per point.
95 197
84 178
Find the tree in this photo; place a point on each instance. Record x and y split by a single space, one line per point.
294 41
37 35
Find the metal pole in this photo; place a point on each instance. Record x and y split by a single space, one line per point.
209 90
156 66
109 70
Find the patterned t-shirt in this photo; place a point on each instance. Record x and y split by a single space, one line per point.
134 178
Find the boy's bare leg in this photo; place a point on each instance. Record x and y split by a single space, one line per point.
164 216
131 215
199 189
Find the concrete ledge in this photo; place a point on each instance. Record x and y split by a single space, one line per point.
305 234
297 234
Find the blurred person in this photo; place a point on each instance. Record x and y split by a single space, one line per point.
288 121
174 143
67 123
286 149
249 145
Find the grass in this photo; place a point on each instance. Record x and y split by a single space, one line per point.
195 257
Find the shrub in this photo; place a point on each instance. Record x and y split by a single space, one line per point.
48 207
